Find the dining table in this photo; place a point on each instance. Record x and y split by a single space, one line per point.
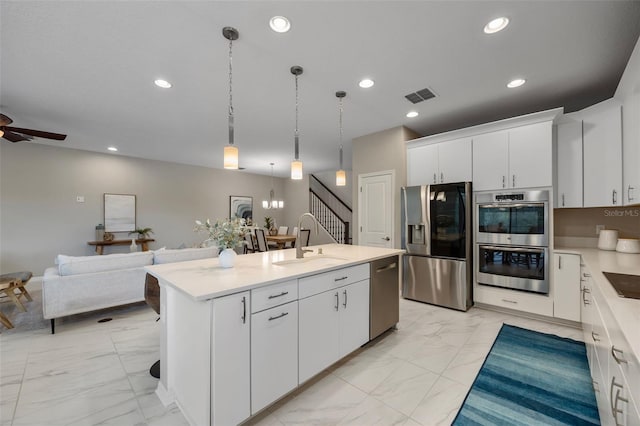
281 240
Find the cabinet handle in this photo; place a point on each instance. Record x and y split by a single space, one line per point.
614 401
345 299
435 179
386 268
595 336
244 310
614 197
559 262
584 296
509 301
629 189
513 181
562 200
503 181
441 177
337 301
586 274
340 279
273 296
613 354
284 314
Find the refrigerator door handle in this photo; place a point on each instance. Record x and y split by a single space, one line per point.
425 197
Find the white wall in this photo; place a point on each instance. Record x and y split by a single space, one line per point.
345 193
40 218
385 150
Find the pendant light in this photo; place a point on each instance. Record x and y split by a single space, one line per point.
296 164
230 151
272 203
341 175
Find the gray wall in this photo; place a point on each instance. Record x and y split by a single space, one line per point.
40 218
385 150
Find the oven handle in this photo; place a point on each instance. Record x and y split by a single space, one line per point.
513 249
508 204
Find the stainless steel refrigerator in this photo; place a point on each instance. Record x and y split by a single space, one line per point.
436 234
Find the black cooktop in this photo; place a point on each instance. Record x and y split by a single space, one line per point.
626 285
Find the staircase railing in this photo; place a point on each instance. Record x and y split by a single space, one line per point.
332 213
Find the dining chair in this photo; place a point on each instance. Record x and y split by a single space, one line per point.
262 240
293 244
304 237
249 247
282 230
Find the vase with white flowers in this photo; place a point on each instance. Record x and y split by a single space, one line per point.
226 234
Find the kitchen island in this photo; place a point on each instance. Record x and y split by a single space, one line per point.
235 340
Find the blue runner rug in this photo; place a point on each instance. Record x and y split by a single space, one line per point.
531 378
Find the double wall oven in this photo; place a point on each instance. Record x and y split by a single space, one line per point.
512 240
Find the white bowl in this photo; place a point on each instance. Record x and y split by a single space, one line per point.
628 245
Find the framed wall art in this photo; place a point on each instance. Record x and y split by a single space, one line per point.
119 213
240 207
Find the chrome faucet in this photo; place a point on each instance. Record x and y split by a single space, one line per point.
299 251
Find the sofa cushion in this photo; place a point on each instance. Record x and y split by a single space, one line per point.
73 265
182 255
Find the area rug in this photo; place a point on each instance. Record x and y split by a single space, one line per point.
531 378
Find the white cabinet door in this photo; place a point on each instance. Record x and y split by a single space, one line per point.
602 142
455 161
631 149
490 161
354 317
274 354
569 165
318 333
530 156
422 165
566 286
230 360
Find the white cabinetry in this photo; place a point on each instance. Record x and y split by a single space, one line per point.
274 354
520 157
334 317
631 148
442 162
614 370
569 164
602 142
511 299
230 364
566 286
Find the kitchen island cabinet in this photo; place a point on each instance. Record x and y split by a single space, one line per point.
222 332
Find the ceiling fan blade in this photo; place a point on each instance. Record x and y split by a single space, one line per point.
37 133
14 137
4 120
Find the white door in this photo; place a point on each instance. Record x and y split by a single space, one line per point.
422 165
376 205
490 161
455 159
566 286
569 192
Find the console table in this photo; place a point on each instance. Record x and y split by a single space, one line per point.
100 244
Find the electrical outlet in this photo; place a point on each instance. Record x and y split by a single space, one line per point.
80 199
599 228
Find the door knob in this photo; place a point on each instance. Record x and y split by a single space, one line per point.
386 238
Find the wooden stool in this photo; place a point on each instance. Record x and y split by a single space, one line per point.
5 321
9 283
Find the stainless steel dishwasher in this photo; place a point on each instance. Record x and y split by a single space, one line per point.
385 295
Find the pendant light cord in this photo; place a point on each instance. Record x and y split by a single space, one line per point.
296 148
230 93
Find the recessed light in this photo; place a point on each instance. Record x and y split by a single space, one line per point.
496 25
163 83
279 24
112 149
412 114
366 83
516 83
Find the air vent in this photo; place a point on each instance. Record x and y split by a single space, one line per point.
420 95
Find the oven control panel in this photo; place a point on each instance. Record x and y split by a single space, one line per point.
510 197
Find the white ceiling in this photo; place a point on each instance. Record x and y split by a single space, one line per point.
87 69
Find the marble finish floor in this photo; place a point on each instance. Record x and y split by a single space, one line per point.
92 373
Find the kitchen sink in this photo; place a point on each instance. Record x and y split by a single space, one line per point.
319 259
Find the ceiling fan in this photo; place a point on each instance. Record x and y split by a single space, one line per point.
17 134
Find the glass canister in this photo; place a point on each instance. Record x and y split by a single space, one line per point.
99 232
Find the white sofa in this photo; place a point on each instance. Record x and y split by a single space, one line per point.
88 283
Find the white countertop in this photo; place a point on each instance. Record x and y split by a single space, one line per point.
205 279
625 311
